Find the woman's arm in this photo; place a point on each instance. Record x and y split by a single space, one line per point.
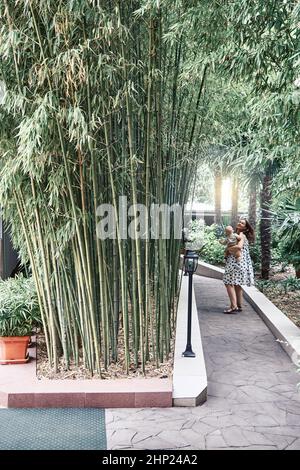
238 246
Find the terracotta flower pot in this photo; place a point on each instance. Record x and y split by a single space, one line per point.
13 349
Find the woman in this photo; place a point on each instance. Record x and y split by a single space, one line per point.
239 273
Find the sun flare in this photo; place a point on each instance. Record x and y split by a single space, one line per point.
226 194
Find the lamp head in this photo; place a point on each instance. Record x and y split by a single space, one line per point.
190 262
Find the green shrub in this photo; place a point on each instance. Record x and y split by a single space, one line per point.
264 286
255 254
212 251
291 284
289 252
19 308
288 233
195 235
279 287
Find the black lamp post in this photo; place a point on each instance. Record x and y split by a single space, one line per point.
190 266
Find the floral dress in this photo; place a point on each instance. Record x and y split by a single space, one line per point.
239 273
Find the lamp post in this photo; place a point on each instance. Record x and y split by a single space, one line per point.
190 266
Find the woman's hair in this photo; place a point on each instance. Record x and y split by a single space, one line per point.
249 231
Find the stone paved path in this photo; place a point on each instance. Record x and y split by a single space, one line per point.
253 402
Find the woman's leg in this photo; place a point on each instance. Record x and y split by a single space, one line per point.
239 295
232 295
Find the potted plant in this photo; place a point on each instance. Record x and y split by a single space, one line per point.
19 314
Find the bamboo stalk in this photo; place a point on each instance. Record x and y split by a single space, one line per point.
117 118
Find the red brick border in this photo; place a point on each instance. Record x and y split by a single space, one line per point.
20 388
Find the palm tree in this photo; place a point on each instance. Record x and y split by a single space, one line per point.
252 206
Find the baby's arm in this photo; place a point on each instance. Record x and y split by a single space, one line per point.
239 245
223 241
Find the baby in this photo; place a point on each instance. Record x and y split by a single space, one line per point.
231 239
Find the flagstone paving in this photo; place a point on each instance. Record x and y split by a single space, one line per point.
253 400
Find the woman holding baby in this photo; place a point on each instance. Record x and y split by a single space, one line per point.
238 266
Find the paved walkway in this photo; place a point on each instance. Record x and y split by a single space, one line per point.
253 402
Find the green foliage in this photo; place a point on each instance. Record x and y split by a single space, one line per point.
19 308
286 250
279 287
288 232
195 235
103 99
291 284
255 253
225 220
212 251
255 112
203 185
99 102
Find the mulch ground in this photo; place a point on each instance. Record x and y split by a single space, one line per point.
115 370
288 302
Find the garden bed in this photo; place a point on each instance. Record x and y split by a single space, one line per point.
114 371
288 303
283 289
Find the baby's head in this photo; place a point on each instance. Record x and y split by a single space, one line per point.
228 230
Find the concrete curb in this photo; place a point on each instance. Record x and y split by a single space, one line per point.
284 330
207 270
189 374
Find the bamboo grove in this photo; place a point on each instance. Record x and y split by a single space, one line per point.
97 105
